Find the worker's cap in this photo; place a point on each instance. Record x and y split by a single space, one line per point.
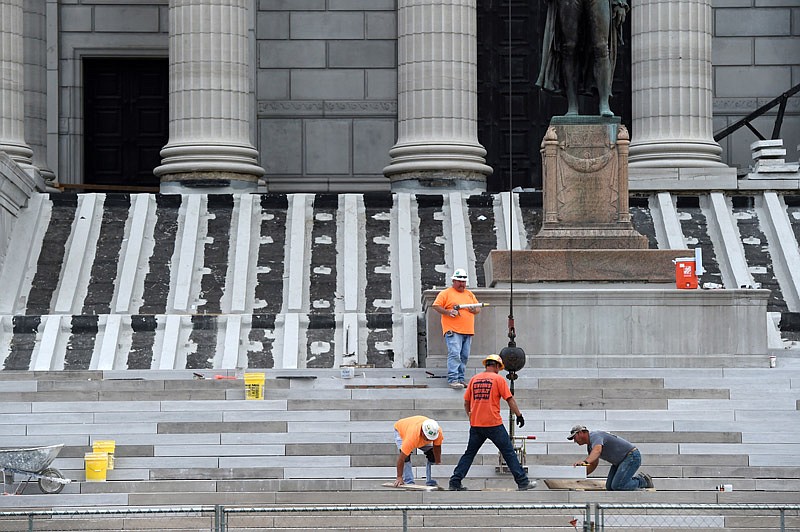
430 429
460 275
576 429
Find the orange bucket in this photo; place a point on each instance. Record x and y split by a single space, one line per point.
685 273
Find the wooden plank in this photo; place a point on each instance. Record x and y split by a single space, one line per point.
587 484
412 487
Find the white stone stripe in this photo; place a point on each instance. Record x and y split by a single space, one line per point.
17 275
133 252
409 352
783 247
43 356
406 253
188 249
296 253
104 360
352 261
665 218
511 226
291 330
169 345
458 235
730 253
230 353
241 260
77 266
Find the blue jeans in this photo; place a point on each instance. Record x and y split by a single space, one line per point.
500 438
457 355
621 476
408 473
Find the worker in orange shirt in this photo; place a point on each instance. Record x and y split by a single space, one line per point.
458 325
482 403
417 432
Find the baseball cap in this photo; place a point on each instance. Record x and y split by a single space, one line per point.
576 429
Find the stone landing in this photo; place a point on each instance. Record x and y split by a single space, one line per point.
604 325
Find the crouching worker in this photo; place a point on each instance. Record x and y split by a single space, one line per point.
624 458
417 432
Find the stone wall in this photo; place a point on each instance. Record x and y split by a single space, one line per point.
756 57
326 92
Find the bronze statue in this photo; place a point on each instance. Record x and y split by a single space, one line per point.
579 50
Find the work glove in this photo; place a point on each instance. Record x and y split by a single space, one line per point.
520 421
430 456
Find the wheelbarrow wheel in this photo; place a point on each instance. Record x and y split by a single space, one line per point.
46 482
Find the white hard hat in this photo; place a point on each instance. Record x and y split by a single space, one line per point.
430 429
460 275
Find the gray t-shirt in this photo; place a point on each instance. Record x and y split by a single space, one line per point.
614 448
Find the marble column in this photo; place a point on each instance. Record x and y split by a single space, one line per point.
12 85
672 85
35 85
437 145
210 106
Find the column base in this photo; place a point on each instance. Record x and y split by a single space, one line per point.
671 154
432 165
208 183
438 180
208 165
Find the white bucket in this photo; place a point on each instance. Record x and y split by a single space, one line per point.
348 373
773 360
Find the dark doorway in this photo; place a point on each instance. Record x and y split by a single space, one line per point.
126 116
523 125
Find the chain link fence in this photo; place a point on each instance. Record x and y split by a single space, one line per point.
587 517
705 517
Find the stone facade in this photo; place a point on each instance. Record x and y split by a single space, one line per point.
324 81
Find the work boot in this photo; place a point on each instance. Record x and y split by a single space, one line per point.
456 487
529 486
648 480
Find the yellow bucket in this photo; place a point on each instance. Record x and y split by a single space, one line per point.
254 386
106 446
96 466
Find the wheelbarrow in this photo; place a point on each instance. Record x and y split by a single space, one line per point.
32 463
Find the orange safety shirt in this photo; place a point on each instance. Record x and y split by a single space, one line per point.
484 392
464 323
410 429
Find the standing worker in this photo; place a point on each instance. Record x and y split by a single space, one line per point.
458 325
482 403
624 458
417 432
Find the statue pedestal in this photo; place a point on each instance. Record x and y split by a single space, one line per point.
586 234
585 168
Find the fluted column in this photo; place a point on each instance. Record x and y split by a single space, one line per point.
209 107
437 145
35 85
672 91
12 86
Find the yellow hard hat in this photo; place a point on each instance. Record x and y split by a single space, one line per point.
494 358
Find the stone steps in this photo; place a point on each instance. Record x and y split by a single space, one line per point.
696 429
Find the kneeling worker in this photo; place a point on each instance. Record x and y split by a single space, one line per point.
624 458
417 432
